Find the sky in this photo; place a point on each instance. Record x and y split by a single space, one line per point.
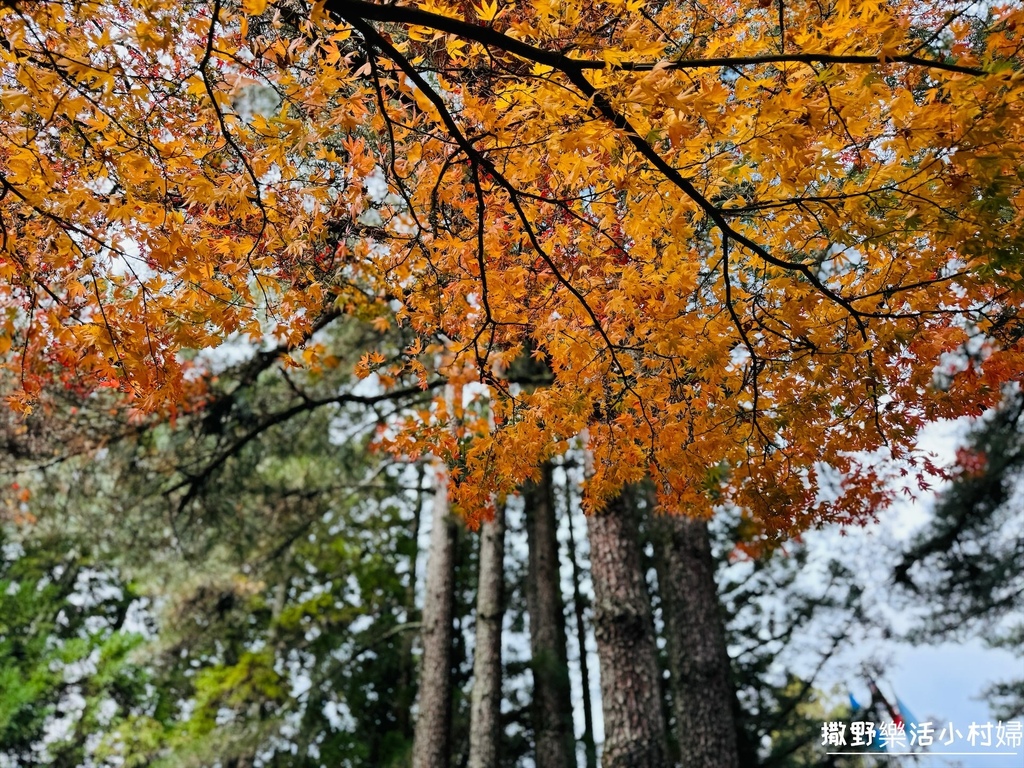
942 683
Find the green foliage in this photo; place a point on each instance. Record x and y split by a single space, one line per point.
279 553
68 668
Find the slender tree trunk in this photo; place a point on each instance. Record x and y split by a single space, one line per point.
485 703
579 608
552 696
432 738
406 689
702 691
634 722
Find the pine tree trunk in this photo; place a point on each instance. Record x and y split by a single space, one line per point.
552 700
634 723
432 739
579 608
485 703
702 689
406 688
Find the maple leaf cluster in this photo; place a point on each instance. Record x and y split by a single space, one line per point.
735 242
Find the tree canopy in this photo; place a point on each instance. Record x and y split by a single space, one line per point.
753 242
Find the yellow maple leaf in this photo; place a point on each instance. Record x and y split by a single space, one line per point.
254 7
488 10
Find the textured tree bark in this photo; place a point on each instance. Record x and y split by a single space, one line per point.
702 690
406 689
579 608
432 738
552 700
634 723
485 702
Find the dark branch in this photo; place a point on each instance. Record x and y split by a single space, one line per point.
401 14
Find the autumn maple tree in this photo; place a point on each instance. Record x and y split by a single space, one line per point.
752 243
